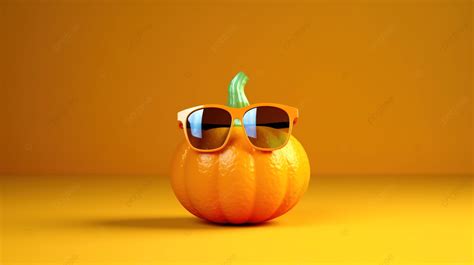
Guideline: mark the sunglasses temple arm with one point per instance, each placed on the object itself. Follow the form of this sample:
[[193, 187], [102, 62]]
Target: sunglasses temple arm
[[180, 124], [297, 115]]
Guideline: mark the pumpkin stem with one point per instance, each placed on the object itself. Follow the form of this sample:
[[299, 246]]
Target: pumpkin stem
[[236, 97]]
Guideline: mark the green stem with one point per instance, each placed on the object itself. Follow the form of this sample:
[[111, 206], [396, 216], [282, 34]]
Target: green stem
[[236, 96]]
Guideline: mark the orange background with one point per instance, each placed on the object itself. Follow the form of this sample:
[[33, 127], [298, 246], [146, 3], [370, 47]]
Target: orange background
[[94, 87]]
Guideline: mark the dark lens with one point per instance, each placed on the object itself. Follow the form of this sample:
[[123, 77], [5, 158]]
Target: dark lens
[[267, 127], [208, 128]]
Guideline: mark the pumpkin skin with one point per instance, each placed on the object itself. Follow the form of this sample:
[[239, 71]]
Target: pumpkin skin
[[240, 184]]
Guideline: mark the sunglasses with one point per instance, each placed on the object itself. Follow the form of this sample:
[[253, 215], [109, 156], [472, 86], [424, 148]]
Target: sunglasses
[[267, 126]]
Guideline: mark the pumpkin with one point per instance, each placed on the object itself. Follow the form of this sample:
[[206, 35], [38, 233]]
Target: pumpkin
[[239, 184]]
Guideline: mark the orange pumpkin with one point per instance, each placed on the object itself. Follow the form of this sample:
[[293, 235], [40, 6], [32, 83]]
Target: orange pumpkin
[[240, 184]]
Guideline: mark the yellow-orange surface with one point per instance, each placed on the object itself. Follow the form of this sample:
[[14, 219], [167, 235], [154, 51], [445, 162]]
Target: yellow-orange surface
[[136, 220]]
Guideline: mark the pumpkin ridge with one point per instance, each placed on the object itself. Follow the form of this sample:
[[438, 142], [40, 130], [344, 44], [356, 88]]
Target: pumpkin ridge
[[305, 185], [279, 208], [185, 176], [185, 197], [296, 145], [219, 183], [286, 187], [219, 205], [254, 202], [294, 174]]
